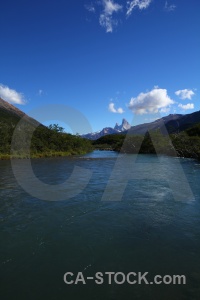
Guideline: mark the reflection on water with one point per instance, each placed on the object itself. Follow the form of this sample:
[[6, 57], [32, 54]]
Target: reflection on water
[[147, 231]]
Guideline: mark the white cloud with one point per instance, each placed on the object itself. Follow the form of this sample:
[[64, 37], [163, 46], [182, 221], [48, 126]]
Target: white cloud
[[169, 7], [40, 92], [165, 110], [90, 7], [186, 106], [11, 96], [110, 7], [150, 102], [185, 94], [112, 109], [106, 18], [141, 4]]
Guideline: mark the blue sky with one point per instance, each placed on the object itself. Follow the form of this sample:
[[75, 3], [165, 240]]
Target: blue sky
[[108, 59]]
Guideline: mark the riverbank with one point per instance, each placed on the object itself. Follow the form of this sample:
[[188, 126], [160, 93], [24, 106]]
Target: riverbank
[[4, 156], [184, 144]]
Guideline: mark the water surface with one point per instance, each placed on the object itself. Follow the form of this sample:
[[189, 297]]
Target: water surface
[[148, 230]]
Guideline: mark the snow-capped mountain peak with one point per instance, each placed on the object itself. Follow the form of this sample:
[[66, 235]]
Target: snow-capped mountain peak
[[108, 130]]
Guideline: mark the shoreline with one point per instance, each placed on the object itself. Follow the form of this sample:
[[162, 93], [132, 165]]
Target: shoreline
[[67, 154], [39, 155]]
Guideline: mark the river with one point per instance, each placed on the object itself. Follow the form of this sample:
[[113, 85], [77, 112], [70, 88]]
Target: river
[[154, 226]]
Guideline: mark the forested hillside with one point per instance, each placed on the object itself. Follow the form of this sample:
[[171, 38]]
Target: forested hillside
[[45, 141], [185, 143]]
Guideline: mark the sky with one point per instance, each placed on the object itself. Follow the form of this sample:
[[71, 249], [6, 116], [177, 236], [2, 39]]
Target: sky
[[107, 59]]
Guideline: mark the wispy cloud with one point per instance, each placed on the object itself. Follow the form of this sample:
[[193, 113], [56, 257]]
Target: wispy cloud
[[154, 101], [186, 106], [165, 110], [112, 109], [90, 7], [169, 7], [140, 4], [11, 95], [40, 92], [108, 20], [106, 17], [185, 94]]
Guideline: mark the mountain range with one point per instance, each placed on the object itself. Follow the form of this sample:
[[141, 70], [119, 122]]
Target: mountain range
[[172, 123], [108, 130]]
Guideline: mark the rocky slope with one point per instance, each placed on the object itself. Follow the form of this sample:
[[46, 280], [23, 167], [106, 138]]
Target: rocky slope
[[14, 114]]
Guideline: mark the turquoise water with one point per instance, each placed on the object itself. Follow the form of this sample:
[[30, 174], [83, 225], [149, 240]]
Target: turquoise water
[[149, 230]]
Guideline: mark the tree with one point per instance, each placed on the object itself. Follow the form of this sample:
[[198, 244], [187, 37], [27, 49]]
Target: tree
[[56, 128]]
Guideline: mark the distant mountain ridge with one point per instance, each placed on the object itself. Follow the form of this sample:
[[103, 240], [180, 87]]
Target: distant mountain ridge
[[172, 123], [162, 124], [108, 130]]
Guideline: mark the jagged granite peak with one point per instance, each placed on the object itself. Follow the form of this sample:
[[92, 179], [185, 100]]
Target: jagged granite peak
[[124, 126], [108, 130], [172, 123]]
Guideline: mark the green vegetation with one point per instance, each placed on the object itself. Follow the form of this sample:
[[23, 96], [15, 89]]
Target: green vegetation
[[44, 142], [185, 144], [53, 141], [109, 142]]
